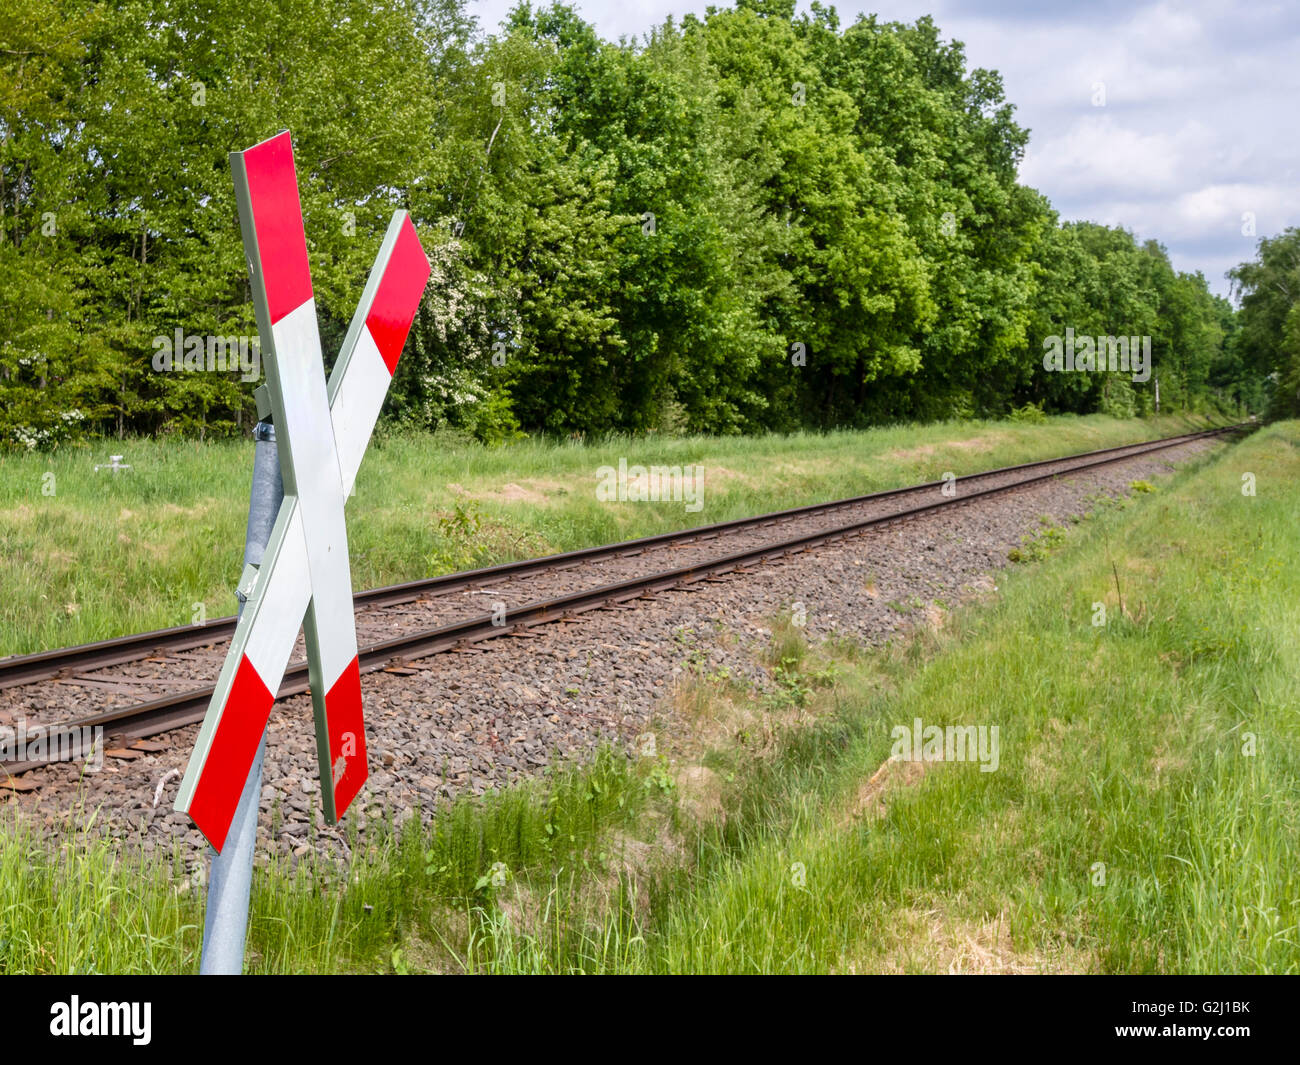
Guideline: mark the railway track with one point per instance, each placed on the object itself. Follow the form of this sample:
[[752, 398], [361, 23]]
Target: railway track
[[136, 722]]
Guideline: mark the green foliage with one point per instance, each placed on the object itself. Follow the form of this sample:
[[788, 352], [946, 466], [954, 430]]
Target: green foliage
[[1266, 355], [1037, 546], [1030, 413], [748, 221]]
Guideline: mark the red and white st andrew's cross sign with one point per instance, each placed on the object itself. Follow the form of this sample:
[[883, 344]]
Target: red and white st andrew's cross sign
[[322, 432]]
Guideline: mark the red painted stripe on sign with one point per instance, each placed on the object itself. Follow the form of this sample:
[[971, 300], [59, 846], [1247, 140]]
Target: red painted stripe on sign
[[399, 295], [277, 219], [347, 736], [243, 720]]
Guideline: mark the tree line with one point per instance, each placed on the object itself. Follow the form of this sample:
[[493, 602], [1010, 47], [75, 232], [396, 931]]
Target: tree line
[[745, 222]]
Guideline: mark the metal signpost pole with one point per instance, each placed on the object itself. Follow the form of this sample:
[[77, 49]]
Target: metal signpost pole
[[231, 871]]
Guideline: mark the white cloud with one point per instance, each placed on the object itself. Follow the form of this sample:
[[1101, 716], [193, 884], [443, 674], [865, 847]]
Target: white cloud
[[1100, 156]]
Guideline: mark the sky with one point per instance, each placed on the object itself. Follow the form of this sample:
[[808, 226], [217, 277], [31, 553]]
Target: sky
[[1176, 120]]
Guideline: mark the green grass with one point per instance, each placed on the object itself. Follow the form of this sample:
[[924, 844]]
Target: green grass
[[82, 906], [1121, 745], [1163, 746], [161, 544]]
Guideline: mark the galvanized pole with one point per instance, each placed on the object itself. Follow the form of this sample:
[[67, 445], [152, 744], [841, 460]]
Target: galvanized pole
[[230, 873]]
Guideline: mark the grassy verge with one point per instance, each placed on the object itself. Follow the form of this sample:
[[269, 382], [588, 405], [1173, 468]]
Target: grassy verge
[[1145, 802], [86, 555], [1143, 815]]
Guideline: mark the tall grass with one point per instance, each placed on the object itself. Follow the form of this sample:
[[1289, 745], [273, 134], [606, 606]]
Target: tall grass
[[411, 896]]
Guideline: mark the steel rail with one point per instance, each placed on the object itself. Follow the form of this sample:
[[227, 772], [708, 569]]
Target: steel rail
[[186, 708], [19, 670]]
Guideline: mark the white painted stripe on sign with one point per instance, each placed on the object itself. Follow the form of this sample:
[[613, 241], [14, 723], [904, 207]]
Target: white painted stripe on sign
[[357, 405], [278, 616]]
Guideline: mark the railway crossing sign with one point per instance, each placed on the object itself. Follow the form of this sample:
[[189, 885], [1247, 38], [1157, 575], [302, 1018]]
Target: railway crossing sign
[[322, 431]]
